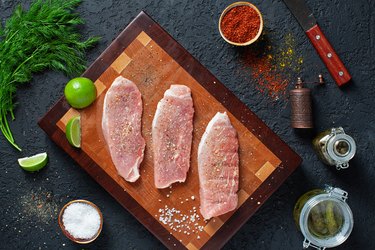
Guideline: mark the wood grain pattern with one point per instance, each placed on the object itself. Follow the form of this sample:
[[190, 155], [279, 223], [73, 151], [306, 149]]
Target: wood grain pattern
[[147, 55], [328, 55]]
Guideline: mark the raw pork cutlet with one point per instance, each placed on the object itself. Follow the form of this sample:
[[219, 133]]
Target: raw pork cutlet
[[121, 124], [218, 167], [172, 134]]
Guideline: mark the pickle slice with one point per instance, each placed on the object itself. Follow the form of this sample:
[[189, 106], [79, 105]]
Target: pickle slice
[[330, 218], [325, 219], [317, 220], [338, 216]]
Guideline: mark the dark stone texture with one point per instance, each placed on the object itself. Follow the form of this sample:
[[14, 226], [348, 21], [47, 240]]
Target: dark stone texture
[[349, 25]]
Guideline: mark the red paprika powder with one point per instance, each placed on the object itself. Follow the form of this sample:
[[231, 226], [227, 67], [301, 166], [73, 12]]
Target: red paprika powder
[[240, 24]]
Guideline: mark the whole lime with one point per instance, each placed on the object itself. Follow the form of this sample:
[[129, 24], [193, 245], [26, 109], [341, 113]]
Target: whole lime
[[80, 92]]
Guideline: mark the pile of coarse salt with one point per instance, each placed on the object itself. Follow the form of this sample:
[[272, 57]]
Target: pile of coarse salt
[[81, 220], [179, 222]]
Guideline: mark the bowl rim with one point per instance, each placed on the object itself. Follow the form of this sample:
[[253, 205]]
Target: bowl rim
[[67, 234], [235, 4]]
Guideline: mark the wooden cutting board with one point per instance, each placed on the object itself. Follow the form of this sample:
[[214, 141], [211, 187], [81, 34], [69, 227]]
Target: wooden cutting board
[[149, 56]]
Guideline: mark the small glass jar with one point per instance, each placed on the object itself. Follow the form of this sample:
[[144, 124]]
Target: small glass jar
[[335, 148], [324, 217]]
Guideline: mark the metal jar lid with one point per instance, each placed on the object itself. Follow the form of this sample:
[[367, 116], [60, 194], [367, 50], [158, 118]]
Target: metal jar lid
[[341, 148], [338, 197]]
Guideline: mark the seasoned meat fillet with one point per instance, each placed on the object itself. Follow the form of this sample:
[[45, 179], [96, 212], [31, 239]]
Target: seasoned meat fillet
[[121, 124], [218, 167], [172, 129]]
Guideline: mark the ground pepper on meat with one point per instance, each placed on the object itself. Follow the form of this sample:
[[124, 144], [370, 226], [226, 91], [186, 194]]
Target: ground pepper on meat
[[240, 24]]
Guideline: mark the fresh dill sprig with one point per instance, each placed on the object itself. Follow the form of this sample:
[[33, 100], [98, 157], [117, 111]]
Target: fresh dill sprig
[[44, 37]]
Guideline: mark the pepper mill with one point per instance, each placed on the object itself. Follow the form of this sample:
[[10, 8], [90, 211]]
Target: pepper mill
[[301, 104]]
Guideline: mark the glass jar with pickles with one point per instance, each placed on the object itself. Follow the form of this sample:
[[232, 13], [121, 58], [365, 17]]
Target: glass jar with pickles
[[335, 148], [323, 217]]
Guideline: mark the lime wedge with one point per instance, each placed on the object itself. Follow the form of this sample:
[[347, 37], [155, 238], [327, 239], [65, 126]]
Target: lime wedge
[[73, 131], [33, 163]]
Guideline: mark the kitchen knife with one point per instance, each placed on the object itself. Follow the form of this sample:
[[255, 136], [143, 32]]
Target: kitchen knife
[[328, 55]]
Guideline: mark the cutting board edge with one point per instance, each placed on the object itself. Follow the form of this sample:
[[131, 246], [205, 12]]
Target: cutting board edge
[[98, 67]]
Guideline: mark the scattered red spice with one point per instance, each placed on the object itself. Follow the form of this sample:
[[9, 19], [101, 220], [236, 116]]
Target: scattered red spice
[[261, 68], [240, 24], [272, 67], [268, 79]]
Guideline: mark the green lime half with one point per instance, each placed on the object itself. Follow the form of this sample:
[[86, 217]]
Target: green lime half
[[73, 131], [33, 163], [80, 92]]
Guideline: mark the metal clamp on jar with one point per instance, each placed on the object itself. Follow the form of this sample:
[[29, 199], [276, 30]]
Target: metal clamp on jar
[[335, 148], [324, 217]]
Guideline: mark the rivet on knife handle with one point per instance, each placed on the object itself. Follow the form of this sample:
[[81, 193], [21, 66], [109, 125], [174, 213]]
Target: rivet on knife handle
[[335, 66]]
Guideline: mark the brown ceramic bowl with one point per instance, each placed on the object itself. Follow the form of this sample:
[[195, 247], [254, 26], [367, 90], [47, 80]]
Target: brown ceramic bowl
[[68, 235], [236, 4]]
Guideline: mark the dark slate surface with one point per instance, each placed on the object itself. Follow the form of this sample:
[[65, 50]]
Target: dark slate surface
[[30, 202]]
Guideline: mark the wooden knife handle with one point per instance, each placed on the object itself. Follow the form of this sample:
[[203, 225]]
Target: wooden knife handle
[[334, 65]]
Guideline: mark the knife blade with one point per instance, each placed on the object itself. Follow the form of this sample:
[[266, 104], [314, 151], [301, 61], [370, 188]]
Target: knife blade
[[321, 44]]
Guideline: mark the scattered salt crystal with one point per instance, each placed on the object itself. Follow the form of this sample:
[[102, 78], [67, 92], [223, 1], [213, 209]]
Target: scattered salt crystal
[[198, 237], [81, 220], [179, 222], [167, 195], [193, 197]]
